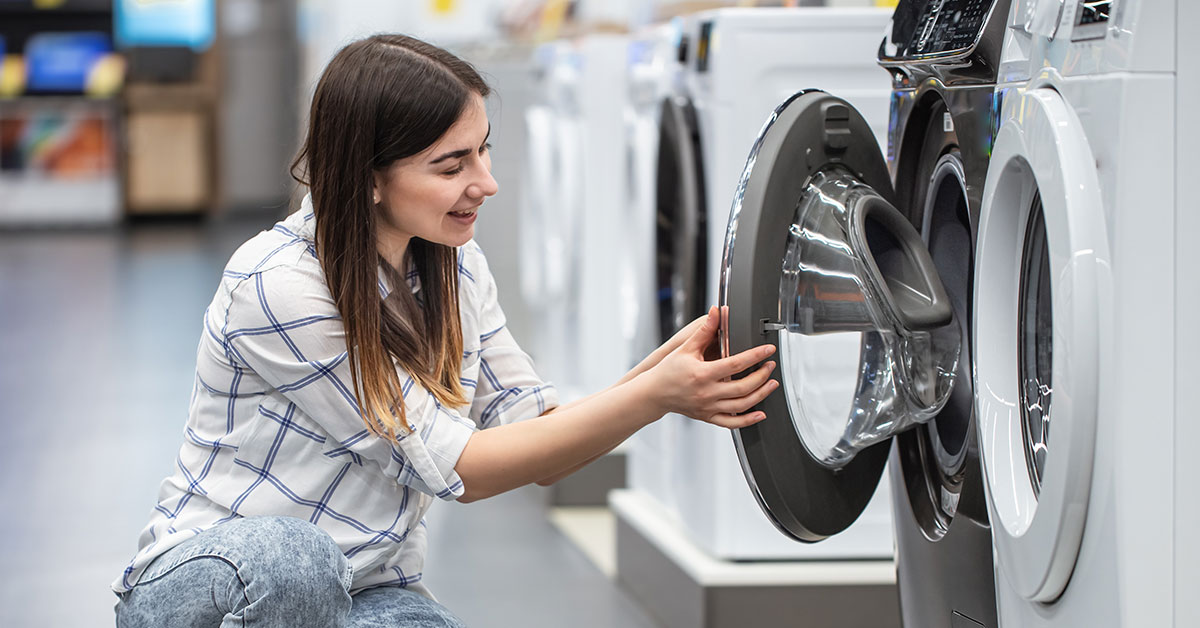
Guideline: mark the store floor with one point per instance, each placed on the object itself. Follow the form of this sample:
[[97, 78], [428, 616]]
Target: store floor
[[98, 331]]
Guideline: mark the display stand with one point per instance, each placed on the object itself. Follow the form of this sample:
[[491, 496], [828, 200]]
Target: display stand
[[59, 142], [683, 587]]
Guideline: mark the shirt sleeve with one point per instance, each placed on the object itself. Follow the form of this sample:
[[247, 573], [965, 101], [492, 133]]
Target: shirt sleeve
[[283, 325], [509, 390]]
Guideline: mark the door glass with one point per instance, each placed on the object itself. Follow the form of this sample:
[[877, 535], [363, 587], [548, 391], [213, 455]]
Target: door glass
[[1036, 326], [869, 345]]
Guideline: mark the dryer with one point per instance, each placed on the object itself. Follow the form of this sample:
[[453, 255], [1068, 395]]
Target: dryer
[[859, 269], [1082, 287], [739, 64]]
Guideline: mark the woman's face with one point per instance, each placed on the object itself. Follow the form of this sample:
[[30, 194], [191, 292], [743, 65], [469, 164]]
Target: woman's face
[[434, 195]]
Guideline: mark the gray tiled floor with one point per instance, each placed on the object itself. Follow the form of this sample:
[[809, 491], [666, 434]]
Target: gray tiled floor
[[97, 344]]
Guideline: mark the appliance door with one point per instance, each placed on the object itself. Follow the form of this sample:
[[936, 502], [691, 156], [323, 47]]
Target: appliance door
[[819, 262], [680, 218], [1042, 288]]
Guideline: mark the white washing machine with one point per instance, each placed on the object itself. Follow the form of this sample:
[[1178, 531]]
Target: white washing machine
[[576, 216], [653, 71], [1084, 277], [860, 271], [740, 64], [550, 258]]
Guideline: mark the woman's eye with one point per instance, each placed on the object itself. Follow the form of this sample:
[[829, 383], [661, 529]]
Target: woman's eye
[[486, 147], [455, 171]]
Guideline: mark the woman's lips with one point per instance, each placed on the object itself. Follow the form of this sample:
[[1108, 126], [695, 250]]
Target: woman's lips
[[466, 216]]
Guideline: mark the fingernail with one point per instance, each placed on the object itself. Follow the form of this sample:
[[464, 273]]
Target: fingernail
[[770, 366]]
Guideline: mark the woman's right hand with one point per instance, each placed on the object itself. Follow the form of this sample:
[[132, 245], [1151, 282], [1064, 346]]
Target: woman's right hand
[[688, 384]]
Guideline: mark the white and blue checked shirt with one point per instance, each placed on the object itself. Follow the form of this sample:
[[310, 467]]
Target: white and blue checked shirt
[[274, 428]]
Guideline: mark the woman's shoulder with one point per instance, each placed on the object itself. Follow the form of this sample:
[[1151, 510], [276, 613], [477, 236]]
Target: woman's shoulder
[[280, 261], [284, 249]]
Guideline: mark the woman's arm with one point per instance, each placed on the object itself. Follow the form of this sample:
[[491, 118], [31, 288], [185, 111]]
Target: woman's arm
[[508, 456], [649, 362]]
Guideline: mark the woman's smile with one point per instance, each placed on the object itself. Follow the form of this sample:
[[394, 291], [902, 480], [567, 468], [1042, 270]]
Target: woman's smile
[[466, 217]]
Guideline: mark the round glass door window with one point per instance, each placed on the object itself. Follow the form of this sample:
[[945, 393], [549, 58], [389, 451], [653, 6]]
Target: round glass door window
[[867, 344], [818, 261], [1035, 344]]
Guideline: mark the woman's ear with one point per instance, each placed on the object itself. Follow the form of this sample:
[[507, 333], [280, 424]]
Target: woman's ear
[[377, 184]]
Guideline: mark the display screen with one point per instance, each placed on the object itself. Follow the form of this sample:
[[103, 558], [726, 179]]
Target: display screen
[[190, 23], [922, 28], [1093, 12], [64, 62]]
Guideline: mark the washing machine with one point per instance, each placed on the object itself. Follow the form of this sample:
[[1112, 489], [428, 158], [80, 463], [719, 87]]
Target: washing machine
[[652, 73], [1080, 317], [576, 212], [740, 63], [551, 192], [859, 269]]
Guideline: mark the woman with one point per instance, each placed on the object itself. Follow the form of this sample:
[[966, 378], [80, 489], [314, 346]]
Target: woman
[[354, 365]]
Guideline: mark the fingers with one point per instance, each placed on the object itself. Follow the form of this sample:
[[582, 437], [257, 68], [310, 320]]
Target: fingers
[[705, 334], [745, 402], [748, 384], [687, 331], [735, 364], [736, 421]]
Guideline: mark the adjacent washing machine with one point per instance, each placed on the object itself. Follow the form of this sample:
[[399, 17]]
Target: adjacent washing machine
[[551, 191], [652, 74], [739, 64], [575, 216], [1080, 318], [860, 271]]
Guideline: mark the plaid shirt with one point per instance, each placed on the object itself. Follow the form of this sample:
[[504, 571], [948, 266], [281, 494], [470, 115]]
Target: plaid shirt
[[274, 428]]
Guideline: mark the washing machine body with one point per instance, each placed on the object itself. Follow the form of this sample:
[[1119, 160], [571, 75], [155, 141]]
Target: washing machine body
[[1081, 319], [552, 192], [652, 74], [603, 349], [859, 268], [578, 226], [741, 63]]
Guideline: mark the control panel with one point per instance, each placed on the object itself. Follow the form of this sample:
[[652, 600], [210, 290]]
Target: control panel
[[1091, 19], [931, 28], [1093, 12]]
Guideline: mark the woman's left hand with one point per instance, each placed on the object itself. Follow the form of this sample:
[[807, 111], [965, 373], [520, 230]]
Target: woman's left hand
[[672, 343]]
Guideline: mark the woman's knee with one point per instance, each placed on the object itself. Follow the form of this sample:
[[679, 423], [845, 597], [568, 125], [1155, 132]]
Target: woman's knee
[[255, 566], [288, 567], [286, 549]]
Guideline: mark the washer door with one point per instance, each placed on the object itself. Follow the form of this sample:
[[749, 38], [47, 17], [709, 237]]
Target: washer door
[[680, 228], [1041, 287], [819, 262]]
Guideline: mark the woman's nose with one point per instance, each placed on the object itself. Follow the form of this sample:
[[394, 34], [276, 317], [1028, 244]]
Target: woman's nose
[[484, 186]]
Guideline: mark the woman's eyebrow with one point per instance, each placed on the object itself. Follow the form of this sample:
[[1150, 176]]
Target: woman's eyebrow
[[462, 152]]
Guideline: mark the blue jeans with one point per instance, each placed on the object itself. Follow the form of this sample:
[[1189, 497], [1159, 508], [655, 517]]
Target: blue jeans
[[263, 572]]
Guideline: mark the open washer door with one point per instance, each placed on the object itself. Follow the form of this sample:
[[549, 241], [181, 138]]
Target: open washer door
[[1042, 290], [819, 262]]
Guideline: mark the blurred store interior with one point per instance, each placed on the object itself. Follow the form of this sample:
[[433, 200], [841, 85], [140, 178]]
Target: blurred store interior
[[141, 142]]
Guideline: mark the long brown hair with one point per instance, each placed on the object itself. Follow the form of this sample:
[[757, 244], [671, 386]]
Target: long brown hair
[[381, 99]]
